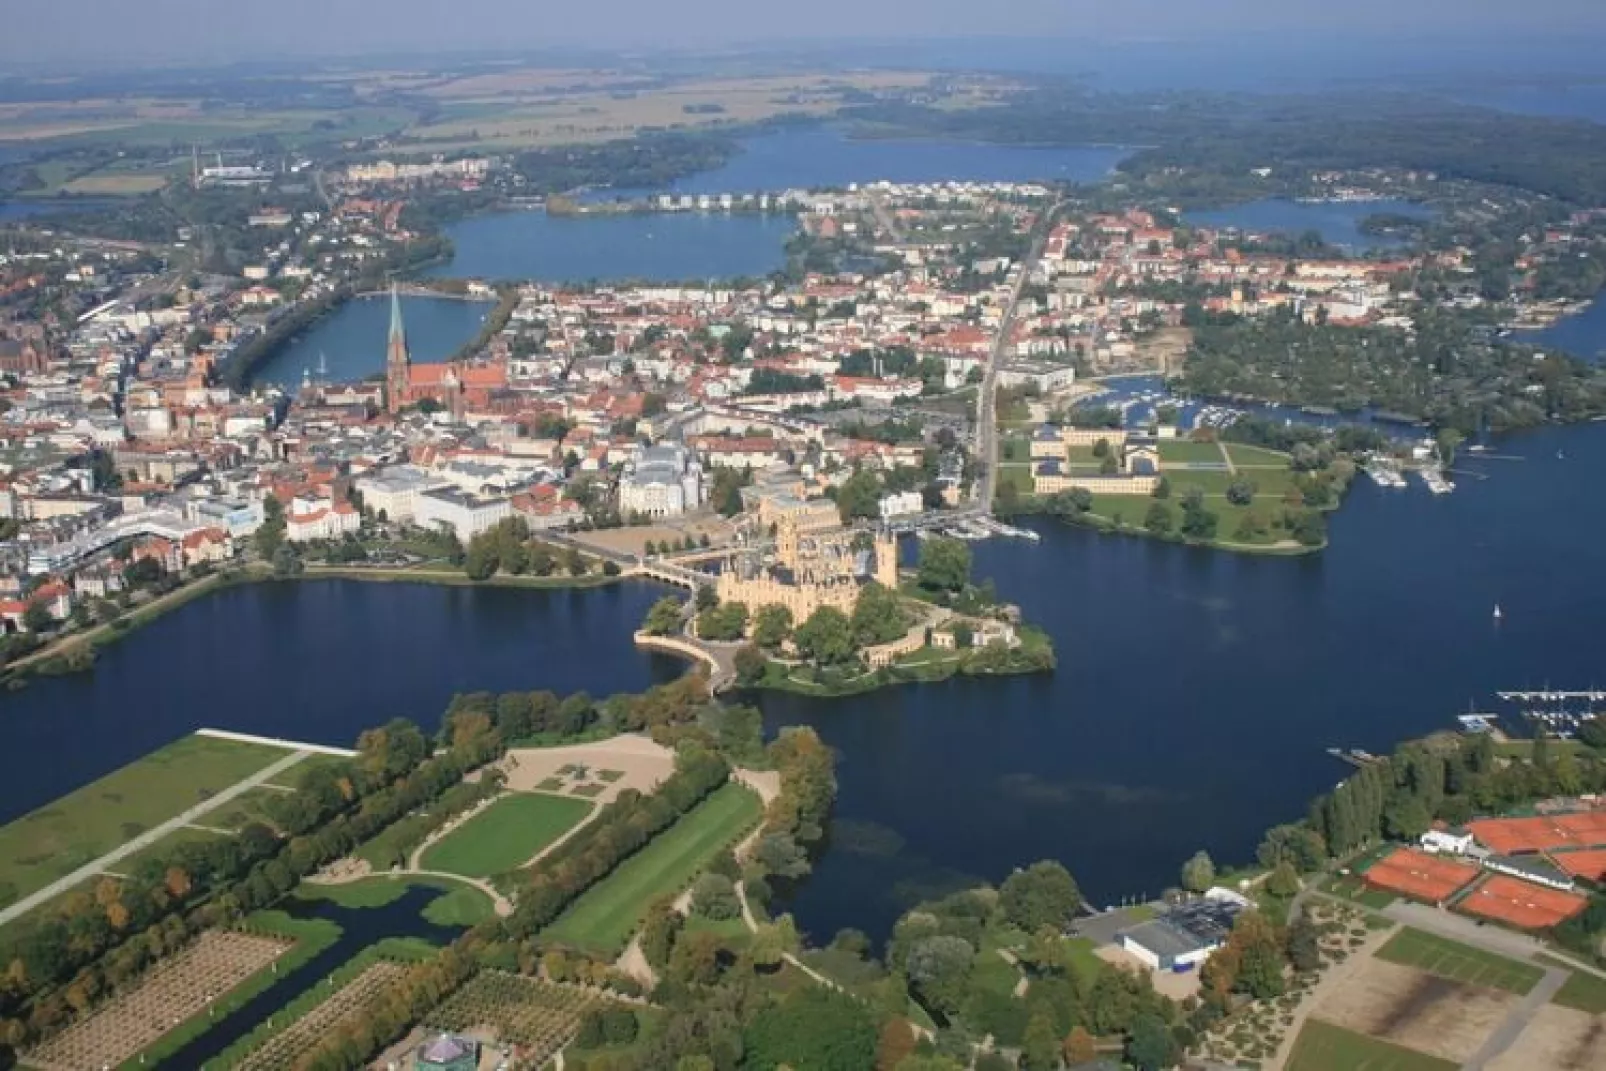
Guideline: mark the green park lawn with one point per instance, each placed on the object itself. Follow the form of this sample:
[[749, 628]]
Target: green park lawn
[[1325, 1047], [57, 839], [159, 850], [457, 904], [505, 835], [1178, 450], [1584, 992], [604, 918], [1256, 456], [1458, 962]]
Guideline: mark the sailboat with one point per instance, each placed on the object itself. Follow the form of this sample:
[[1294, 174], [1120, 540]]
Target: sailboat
[[1497, 614]]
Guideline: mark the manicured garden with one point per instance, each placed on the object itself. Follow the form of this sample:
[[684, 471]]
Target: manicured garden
[[84, 825], [1459, 962], [603, 919], [505, 835]]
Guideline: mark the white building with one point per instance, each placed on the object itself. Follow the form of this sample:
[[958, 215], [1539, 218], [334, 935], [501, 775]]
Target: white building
[[1452, 841], [309, 520], [662, 481], [466, 515], [902, 504], [394, 491]]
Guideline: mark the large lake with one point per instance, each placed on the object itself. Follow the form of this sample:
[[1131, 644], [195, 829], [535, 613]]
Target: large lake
[[651, 247], [815, 157], [1195, 693], [351, 341], [688, 246], [1338, 222], [1582, 335]]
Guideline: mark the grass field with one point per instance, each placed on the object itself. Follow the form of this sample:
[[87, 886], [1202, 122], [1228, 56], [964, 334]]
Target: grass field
[[1324, 1047], [1191, 453], [248, 807], [1458, 962], [1585, 992], [1256, 456], [57, 839], [505, 835], [604, 917], [458, 904]]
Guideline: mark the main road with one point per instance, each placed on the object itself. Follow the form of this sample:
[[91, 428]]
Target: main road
[[986, 446]]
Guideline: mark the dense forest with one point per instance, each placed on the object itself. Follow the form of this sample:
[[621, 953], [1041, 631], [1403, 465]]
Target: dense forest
[[1228, 135]]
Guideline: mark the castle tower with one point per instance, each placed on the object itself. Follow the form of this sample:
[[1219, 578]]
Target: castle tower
[[886, 559], [397, 358]]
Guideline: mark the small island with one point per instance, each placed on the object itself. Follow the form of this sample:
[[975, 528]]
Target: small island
[[823, 609]]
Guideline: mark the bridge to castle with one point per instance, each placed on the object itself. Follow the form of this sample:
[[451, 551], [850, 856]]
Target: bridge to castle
[[670, 573]]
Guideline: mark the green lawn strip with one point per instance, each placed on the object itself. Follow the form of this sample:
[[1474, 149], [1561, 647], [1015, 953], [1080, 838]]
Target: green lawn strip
[[1084, 960], [293, 777], [733, 932], [159, 850], [1254, 456], [1325, 1047], [505, 835], [83, 825], [396, 949], [1583, 992], [1459, 962], [464, 906], [1191, 452], [248, 807], [382, 889], [605, 916], [311, 937]]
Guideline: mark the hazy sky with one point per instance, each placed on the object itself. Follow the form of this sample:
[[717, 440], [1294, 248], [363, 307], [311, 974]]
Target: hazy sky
[[135, 32]]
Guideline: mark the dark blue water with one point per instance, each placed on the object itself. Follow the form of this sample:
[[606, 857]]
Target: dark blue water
[[352, 339], [360, 929], [1195, 693], [825, 156], [651, 247], [1338, 222], [317, 661], [1583, 335]]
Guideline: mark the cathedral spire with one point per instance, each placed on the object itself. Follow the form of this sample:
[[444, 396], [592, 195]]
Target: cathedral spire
[[398, 331]]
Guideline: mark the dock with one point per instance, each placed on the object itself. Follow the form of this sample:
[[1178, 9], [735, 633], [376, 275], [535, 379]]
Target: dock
[[1354, 756], [1548, 696]]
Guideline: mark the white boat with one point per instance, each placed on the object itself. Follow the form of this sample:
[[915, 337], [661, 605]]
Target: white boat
[[1497, 613]]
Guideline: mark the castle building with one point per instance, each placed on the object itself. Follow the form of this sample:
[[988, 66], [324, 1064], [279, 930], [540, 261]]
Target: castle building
[[455, 385], [811, 568]]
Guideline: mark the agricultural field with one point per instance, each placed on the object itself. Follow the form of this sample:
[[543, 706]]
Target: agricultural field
[[179, 987], [604, 917], [537, 1016], [84, 825], [505, 835], [495, 112], [311, 1025], [1458, 962], [1324, 1047]]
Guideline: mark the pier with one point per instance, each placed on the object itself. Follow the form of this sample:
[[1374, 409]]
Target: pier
[[1548, 696]]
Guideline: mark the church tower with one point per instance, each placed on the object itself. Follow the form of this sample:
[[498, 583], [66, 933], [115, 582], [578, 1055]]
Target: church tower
[[397, 359]]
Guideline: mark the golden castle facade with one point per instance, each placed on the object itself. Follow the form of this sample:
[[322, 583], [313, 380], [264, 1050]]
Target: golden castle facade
[[813, 565]]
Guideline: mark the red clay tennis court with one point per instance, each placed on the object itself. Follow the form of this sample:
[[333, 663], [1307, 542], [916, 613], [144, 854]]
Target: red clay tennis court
[[1587, 864], [1512, 836], [1521, 903], [1421, 876]]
